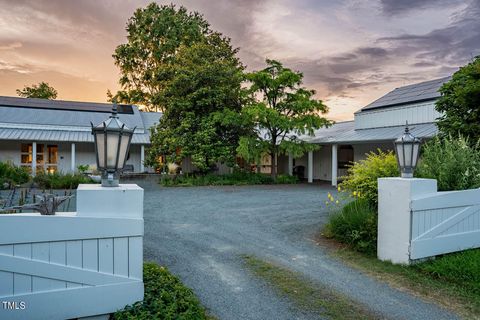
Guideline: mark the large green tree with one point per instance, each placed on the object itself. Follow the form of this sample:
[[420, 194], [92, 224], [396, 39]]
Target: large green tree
[[147, 61], [203, 102], [460, 103], [42, 91], [282, 111]]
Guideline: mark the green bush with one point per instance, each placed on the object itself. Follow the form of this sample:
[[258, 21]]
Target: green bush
[[453, 161], [355, 225], [362, 175], [60, 181], [236, 178], [165, 298], [12, 175]]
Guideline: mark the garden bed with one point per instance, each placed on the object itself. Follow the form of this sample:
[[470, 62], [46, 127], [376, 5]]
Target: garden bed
[[165, 298], [236, 178]]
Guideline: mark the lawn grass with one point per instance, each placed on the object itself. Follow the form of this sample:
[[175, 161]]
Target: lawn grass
[[304, 294], [166, 298], [452, 280], [231, 179]]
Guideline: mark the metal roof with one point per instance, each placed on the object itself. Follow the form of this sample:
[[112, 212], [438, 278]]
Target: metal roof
[[48, 120], [345, 133], [58, 135], [423, 91]]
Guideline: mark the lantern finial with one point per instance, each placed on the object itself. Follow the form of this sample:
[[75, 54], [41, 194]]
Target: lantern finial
[[114, 110]]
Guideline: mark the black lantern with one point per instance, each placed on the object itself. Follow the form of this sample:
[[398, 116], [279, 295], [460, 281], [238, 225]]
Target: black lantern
[[112, 142], [407, 149]]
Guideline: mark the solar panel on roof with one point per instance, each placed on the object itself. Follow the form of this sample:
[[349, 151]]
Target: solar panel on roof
[[63, 105], [407, 94]]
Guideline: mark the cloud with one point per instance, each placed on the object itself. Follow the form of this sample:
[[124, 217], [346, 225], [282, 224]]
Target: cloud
[[351, 52], [454, 44], [396, 7], [10, 46]]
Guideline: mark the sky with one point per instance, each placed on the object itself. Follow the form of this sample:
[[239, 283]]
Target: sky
[[351, 52]]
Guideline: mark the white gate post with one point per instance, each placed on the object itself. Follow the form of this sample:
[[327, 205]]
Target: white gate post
[[394, 215]]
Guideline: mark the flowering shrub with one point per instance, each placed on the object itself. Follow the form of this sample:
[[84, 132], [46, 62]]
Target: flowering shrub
[[361, 178]]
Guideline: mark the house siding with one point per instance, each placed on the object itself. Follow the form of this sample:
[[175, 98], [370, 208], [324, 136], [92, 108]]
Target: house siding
[[414, 113]]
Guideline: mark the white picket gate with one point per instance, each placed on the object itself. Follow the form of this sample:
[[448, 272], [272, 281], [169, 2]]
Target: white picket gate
[[445, 222], [77, 264], [416, 221]]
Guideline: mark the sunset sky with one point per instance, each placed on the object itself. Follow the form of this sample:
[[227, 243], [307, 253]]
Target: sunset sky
[[350, 51]]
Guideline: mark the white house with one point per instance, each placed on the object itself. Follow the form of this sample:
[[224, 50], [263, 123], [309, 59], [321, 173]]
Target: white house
[[375, 126], [57, 134]]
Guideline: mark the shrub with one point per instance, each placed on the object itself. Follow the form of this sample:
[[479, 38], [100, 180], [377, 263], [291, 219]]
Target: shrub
[[362, 175], [83, 168], [355, 225], [60, 181], [453, 161], [12, 175], [165, 298]]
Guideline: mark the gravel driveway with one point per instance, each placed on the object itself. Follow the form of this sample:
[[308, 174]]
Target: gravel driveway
[[199, 234]]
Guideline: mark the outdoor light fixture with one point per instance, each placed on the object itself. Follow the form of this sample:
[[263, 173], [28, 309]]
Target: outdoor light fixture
[[407, 149], [112, 142]]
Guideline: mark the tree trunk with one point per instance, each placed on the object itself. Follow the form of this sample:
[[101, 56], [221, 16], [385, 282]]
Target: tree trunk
[[274, 166]]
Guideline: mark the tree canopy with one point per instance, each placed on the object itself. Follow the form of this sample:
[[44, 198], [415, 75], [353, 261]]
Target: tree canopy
[[460, 103], [281, 110], [147, 60], [42, 91], [203, 100]]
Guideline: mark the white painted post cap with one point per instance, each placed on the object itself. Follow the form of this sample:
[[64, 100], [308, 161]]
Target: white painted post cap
[[124, 201]]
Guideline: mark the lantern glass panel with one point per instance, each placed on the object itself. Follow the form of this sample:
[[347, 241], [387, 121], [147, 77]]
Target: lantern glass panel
[[123, 151], [399, 150], [416, 147], [408, 149], [112, 149], [101, 149]]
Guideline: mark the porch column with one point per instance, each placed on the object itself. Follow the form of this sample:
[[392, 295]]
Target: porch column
[[310, 166], [334, 164], [34, 158], [72, 162], [290, 164], [142, 158]]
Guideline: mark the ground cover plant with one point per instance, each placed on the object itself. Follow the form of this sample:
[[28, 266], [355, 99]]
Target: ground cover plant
[[165, 298], [60, 181], [236, 178]]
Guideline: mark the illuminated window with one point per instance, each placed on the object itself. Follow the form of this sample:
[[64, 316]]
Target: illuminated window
[[44, 152]]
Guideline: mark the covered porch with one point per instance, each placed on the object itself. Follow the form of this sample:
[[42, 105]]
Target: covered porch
[[343, 144]]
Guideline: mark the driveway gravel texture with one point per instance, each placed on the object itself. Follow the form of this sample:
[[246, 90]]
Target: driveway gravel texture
[[201, 233]]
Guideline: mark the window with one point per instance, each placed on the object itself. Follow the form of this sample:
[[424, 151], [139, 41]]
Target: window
[[52, 156], [44, 152], [26, 155]]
